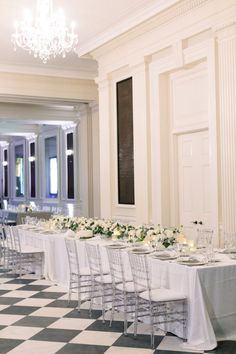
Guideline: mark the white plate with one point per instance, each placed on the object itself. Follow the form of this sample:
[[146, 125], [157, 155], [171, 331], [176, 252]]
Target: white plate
[[117, 245], [141, 250], [164, 258], [189, 263]]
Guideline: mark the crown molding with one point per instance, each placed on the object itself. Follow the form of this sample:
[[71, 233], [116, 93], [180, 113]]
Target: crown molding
[[87, 73], [143, 14], [178, 9]]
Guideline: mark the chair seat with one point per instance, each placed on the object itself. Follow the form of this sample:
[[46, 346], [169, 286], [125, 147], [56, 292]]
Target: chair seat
[[129, 287], [83, 272], [105, 279], [162, 295], [29, 249]]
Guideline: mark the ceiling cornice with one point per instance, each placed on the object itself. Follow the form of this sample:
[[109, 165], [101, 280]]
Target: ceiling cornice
[[85, 74], [144, 13]]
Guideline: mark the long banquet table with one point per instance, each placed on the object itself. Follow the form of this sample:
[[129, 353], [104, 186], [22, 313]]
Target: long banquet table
[[19, 216], [210, 289]]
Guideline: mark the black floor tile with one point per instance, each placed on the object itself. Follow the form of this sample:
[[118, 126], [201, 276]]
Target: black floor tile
[[84, 314], [9, 300], [82, 349], [63, 303], [19, 310], [142, 341], [226, 347], [47, 295], [20, 281], [30, 287], [2, 292], [35, 321], [117, 326], [8, 344], [56, 335], [9, 275], [170, 352]]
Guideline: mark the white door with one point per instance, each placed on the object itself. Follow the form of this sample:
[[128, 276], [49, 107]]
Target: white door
[[195, 187]]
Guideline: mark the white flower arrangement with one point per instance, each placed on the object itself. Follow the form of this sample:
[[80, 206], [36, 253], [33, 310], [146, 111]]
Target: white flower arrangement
[[117, 230]]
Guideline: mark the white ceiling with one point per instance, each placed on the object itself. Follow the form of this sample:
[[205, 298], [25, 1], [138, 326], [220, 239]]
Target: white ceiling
[[97, 21]]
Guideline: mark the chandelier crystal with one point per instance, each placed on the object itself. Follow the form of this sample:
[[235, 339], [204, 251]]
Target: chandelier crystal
[[47, 36]]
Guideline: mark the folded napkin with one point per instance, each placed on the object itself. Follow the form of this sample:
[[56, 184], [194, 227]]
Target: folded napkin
[[69, 233]]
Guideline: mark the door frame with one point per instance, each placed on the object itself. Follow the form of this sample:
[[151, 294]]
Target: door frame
[[159, 71]]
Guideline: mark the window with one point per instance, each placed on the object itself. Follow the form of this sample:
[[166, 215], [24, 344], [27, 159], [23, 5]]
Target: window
[[125, 142], [51, 167], [70, 165], [53, 183], [5, 173], [19, 169], [32, 171]]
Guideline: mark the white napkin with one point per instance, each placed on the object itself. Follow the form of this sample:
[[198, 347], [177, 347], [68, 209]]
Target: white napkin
[[70, 233]]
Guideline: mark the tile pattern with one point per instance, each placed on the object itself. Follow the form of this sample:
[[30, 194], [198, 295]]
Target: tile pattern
[[36, 318]]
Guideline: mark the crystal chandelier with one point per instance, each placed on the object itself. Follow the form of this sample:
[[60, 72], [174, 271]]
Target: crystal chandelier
[[47, 36]]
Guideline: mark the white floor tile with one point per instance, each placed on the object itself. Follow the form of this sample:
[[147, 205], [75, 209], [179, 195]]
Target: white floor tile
[[3, 307], [35, 302], [127, 350], [144, 328], [96, 338], [86, 306], [4, 280], [18, 293], [42, 282], [175, 344], [72, 323], [57, 289], [19, 332], [51, 312], [30, 276], [11, 286], [7, 320], [39, 347], [65, 297]]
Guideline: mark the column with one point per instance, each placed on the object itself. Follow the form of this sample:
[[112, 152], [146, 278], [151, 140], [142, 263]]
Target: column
[[227, 115], [142, 156], [105, 149]]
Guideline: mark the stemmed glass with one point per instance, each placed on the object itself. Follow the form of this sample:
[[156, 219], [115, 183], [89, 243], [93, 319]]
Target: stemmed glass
[[204, 244]]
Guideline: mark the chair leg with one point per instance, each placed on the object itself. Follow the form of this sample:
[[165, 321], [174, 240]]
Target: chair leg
[[79, 295], [125, 314], [136, 316], [112, 307], [152, 327]]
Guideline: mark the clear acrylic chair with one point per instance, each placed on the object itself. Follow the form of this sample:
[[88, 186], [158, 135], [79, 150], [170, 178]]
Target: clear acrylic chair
[[80, 278], [101, 280], [204, 238], [157, 304], [123, 299], [7, 243], [230, 242], [27, 257]]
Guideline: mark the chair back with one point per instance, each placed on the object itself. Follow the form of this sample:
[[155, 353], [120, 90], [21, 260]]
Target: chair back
[[204, 238], [16, 239], [141, 272], [9, 241], [116, 263], [72, 255], [94, 259]]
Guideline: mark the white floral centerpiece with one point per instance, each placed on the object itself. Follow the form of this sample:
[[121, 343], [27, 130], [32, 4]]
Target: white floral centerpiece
[[114, 229]]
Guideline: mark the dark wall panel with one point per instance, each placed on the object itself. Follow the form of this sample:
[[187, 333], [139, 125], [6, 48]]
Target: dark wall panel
[[125, 142]]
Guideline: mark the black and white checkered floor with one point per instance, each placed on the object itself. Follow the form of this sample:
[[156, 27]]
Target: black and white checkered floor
[[35, 319]]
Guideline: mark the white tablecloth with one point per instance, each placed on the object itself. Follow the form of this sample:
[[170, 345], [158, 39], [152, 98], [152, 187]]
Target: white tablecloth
[[210, 289]]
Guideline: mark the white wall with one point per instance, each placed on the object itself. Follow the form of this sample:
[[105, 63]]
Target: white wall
[[189, 49]]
